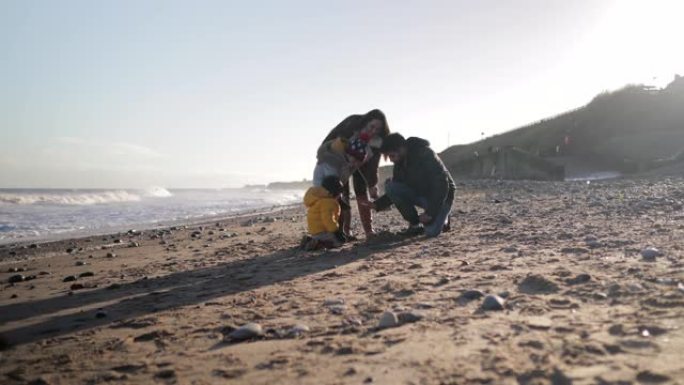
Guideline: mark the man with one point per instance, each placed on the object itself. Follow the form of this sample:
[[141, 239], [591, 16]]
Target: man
[[419, 179]]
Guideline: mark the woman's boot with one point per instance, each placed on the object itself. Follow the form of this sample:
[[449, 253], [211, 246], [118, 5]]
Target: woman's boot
[[345, 223], [366, 216]]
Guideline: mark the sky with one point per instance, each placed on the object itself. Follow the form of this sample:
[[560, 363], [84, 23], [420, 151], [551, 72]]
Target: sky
[[134, 94]]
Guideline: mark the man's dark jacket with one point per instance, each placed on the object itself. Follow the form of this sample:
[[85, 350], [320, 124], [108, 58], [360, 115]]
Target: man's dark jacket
[[422, 171]]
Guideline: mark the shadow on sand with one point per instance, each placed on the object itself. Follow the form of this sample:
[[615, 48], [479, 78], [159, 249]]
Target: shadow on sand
[[148, 296]]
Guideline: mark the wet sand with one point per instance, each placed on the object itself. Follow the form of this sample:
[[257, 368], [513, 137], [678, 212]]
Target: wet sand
[[537, 283]]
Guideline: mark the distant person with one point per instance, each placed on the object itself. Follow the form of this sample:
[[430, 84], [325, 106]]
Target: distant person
[[370, 128], [419, 179], [322, 216]]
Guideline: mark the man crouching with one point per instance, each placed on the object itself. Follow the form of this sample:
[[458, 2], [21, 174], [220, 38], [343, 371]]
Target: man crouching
[[419, 179]]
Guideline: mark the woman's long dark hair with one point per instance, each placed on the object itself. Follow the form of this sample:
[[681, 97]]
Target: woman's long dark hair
[[375, 114]]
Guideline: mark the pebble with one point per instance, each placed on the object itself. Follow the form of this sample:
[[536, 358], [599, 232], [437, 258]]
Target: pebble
[[297, 330], [246, 332], [16, 278], [166, 374], [80, 263], [410, 317], [86, 274], [77, 286], [12, 270], [388, 320], [493, 302], [594, 244], [650, 254], [537, 284], [580, 278], [100, 314], [111, 255], [337, 309], [133, 244], [69, 278], [333, 302], [470, 295]]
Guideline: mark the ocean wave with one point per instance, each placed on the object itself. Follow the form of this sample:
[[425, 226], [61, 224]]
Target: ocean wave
[[84, 198], [157, 192]]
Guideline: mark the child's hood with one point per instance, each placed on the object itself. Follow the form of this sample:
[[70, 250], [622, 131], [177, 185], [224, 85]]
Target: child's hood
[[314, 194]]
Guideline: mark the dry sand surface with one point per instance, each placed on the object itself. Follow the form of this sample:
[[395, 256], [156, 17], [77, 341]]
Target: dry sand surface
[[580, 300]]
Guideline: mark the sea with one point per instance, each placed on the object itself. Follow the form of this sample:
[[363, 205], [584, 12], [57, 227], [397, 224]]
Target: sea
[[52, 214]]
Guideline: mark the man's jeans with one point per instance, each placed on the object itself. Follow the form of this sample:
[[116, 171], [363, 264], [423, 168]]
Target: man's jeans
[[406, 200]]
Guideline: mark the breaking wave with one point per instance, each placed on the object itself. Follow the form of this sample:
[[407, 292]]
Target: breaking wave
[[81, 197]]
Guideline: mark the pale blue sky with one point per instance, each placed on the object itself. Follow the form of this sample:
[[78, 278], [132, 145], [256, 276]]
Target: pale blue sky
[[220, 93]]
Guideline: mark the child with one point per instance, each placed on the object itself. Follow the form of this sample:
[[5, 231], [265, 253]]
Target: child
[[340, 157], [323, 213]]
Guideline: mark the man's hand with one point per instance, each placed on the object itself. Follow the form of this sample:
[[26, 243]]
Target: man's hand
[[424, 218], [373, 192]]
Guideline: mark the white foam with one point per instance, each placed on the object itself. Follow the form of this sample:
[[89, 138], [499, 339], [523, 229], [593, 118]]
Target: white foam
[[157, 192], [89, 198], [43, 214]]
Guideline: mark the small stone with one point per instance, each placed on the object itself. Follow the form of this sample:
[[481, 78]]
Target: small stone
[[600, 296], [650, 253], [425, 305], [298, 330], [16, 278], [69, 278], [388, 320], [493, 302], [333, 302], [100, 314], [574, 250], [86, 274], [470, 295], [77, 286], [12, 270], [537, 284], [581, 278], [648, 377], [594, 244], [166, 374], [111, 255], [337, 309], [80, 263], [410, 317], [133, 244], [246, 332]]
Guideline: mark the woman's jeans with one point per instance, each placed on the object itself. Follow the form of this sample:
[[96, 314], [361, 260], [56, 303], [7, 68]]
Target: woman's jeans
[[405, 199]]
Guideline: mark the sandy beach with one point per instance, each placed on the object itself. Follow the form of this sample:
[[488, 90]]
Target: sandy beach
[[537, 283]]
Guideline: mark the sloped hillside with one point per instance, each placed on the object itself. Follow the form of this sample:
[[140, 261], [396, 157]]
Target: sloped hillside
[[625, 130]]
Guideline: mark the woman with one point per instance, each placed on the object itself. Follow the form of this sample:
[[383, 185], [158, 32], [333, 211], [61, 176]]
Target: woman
[[370, 126]]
